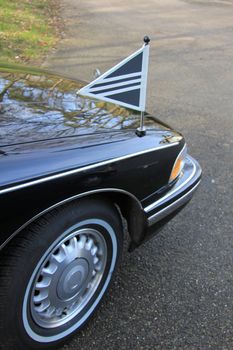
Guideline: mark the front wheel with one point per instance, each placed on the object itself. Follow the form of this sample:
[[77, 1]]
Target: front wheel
[[54, 275]]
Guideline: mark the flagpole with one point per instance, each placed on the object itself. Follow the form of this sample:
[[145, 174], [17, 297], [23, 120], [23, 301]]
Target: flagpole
[[141, 131]]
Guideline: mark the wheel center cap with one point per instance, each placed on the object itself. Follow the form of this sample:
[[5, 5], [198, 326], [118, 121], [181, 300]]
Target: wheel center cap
[[73, 279]]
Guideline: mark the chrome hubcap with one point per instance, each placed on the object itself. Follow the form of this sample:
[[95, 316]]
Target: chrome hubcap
[[72, 279], [68, 278]]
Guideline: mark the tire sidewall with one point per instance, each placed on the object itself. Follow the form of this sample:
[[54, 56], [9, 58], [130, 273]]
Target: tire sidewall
[[52, 229]]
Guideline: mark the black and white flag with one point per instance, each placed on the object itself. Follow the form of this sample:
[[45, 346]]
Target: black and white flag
[[125, 83]]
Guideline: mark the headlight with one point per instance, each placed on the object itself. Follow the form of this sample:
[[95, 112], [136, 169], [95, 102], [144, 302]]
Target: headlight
[[178, 165]]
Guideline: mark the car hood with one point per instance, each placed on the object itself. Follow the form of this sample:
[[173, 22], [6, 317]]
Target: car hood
[[37, 105]]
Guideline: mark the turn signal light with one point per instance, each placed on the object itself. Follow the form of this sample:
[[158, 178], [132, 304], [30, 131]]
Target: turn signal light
[[179, 164]]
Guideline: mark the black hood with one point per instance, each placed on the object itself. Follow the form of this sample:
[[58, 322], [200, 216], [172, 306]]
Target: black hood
[[38, 105]]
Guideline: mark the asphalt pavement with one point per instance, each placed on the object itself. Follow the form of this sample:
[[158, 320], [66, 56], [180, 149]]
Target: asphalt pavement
[[175, 291]]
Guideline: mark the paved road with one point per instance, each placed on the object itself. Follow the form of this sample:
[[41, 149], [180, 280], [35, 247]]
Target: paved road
[[176, 291]]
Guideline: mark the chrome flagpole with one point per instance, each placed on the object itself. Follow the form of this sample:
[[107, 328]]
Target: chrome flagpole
[[141, 131]]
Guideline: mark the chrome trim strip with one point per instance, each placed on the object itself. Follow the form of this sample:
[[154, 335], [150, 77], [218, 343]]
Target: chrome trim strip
[[67, 200], [87, 167], [173, 206], [170, 193]]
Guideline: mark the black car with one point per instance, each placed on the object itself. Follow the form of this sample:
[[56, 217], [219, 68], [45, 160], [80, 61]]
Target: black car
[[75, 178]]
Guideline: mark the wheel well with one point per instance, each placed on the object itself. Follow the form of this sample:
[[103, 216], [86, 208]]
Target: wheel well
[[132, 211], [129, 206]]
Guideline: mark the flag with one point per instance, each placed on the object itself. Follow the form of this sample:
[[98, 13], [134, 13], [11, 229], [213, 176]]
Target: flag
[[124, 84]]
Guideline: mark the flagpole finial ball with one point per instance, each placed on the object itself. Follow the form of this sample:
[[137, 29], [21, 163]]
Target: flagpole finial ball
[[146, 40]]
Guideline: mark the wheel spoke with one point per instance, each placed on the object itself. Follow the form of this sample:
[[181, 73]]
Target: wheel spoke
[[98, 267], [49, 270], [94, 250], [43, 306], [74, 244], [44, 283], [89, 244], [59, 257], [49, 312], [40, 297], [64, 249], [96, 260], [82, 241]]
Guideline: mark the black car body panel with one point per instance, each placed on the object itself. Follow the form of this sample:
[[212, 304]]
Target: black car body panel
[[56, 147]]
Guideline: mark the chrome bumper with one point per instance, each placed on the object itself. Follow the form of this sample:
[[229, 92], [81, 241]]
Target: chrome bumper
[[179, 195]]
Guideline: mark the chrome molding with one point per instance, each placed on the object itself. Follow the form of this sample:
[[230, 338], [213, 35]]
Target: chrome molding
[[170, 193], [172, 207], [78, 170]]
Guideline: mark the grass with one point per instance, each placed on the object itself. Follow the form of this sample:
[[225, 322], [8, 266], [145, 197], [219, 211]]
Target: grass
[[27, 30]]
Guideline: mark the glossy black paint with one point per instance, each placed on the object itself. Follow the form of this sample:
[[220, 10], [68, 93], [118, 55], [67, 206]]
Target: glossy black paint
[[42, 136]]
